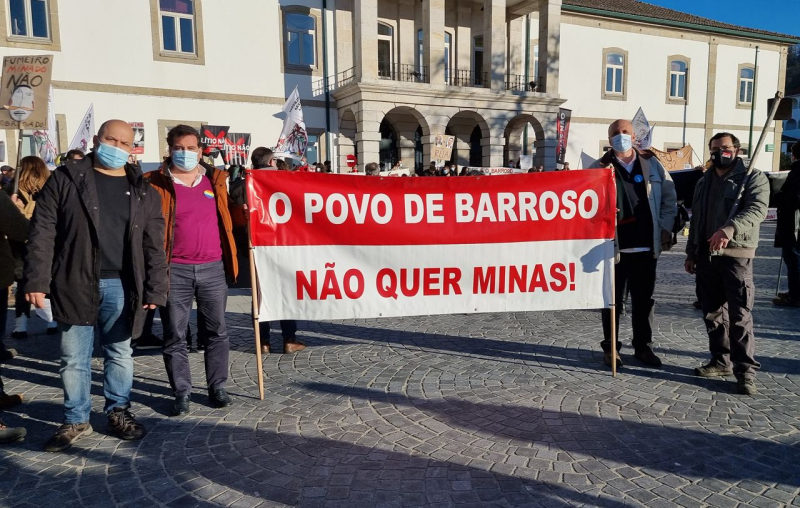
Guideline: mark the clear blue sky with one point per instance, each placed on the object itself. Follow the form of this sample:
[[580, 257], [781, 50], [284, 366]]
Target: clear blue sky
[[782, 16]]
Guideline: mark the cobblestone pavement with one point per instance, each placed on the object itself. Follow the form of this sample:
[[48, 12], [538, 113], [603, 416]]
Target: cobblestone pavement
[[484, 410]]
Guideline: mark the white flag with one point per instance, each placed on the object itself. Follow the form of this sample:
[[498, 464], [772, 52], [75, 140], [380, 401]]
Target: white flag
[[647, 141], [641, 127], [294, 139], [47, 140], [83, 138]]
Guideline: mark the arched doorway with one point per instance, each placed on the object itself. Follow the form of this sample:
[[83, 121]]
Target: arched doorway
[[346, 140], [388, 146], [515, 135], [402, 131], [472, 132]]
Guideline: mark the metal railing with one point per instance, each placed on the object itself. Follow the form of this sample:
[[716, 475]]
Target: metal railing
[[518, 83], [322, 85], [469, 79], [405, 72]]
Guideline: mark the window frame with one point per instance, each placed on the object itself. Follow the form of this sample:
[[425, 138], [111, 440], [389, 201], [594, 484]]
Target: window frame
[[686, 61], [162, 55], [449, 38], [615, 96], [390, 40], [316, 15], [740, 79], [477, 74], [51, 43], [178, 32]]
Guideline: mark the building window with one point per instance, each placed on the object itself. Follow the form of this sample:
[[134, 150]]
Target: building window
[[677, 79], [747, 77], [420, 51], [790, 125], [177, 26], [385, 50], [477, 59], [535, 73], [29, 19], [615, 71], [300, 40], [448, 51]]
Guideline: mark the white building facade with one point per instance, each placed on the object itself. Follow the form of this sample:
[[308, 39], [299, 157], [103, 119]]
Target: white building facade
[[381, 78]]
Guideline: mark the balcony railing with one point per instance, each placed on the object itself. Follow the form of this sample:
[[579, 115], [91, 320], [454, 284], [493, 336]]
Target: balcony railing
[[322, 85], [518, 83], [469, 78], [404, 72]]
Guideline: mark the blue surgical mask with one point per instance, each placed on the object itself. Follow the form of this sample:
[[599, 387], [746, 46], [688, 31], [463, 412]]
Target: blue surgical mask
[[621, 143], [185, 160], [110, 156]]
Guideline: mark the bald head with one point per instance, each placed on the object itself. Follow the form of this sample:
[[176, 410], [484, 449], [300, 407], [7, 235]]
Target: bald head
[[115, 133], [621, 137]]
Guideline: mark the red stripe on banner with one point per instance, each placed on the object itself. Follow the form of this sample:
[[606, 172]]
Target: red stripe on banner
[[292, 208]]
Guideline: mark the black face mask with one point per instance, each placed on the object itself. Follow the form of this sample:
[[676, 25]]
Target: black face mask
[[723, 158]]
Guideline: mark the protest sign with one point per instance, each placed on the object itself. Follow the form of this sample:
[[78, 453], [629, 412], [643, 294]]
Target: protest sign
[[84, 137], [676, 160], [213, 139], [341, 247], [443, 148], [237, 148], [138, 138], [496, 171], [562, 135], [24, 92]]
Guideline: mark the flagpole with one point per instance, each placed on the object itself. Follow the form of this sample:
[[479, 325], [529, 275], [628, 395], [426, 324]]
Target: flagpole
[[255, 299], [613, 321]]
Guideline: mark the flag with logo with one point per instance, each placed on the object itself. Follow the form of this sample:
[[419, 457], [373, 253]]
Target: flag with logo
[[83, 138], [46, 140], [294, 138], [642, 130]]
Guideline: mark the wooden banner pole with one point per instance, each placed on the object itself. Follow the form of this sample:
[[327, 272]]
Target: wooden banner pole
[[613, 321], [19, 158], [256, 302]]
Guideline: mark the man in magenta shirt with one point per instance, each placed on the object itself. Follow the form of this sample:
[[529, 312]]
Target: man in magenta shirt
[[202, 256]]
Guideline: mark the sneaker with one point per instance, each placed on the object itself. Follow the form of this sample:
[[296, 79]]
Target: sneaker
[[8, 401], [149, 342], [66, 435], [607, 360], [746, 386], [713, 370], [122, 424], [11, 434], [181, 405], [786, 301], [218, 397], [647, 357]]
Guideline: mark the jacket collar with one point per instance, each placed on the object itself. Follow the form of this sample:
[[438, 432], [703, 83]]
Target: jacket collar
[[75, 168], [738, 169]]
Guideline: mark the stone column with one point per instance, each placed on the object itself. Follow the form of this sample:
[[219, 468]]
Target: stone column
[[463, 51], [494, 40], [346, 147], [462, 149], [368, 137], [516, 49], [433, 39], [493, 150], [407, 150], [406, 34], [366, 40], [549, 45]]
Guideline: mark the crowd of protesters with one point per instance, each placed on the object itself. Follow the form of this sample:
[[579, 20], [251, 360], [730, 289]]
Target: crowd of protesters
[[103, 269]]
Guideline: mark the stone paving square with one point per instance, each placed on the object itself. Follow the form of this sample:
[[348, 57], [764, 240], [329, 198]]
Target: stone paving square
[[464, 410]]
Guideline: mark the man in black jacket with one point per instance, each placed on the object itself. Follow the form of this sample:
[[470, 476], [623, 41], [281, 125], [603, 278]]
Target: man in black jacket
[[97, 247], [787, 235]]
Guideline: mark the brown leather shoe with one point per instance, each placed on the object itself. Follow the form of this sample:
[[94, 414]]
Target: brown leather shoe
[[292, 346], [264, 349], [8, 401]]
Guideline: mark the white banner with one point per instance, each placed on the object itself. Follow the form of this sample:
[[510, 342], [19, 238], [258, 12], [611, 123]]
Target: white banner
[[294, 139], [83, 139], [476, 278]]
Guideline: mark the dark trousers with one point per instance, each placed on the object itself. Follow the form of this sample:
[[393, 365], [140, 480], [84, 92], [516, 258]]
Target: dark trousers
[[21, 305], [726, 293], [3, 320], [791, 256], [206, 283], [288, 330], [147, 329], [637, 272]]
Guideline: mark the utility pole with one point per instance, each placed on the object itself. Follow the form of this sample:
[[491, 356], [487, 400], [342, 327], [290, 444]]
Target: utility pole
[[752, 108], [685, 102]]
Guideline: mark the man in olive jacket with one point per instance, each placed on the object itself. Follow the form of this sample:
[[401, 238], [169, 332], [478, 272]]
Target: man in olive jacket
[[721, 247], [96, 246]]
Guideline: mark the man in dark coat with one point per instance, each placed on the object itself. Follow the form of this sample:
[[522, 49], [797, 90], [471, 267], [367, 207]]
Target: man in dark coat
[[97, 247], [787, 235]]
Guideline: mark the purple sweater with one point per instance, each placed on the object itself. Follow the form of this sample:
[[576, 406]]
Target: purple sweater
[[196, 237]]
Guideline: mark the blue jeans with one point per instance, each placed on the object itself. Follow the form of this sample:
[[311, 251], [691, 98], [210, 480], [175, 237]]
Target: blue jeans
[[791, 256], [77, 343]]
